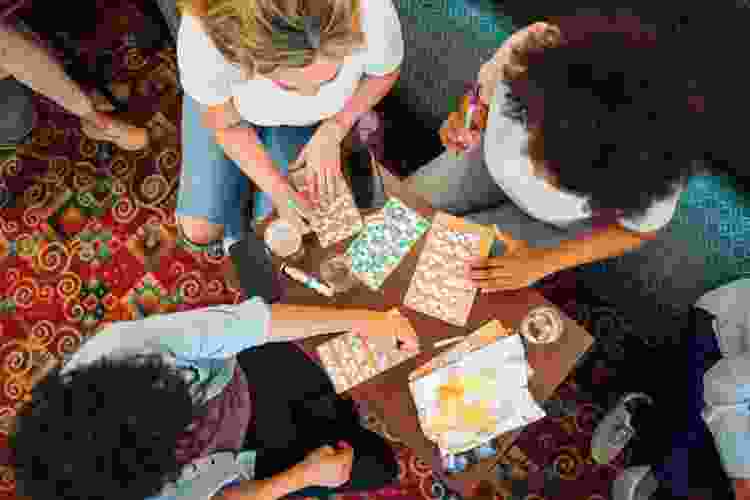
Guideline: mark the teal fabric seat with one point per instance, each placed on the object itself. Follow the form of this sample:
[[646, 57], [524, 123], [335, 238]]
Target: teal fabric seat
[[705, 246]]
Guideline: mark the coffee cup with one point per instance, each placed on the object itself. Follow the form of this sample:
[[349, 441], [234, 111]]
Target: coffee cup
[[284, 240], [542, 325]]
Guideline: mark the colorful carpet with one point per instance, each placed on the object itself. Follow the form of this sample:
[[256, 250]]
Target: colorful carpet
[[87, 232]]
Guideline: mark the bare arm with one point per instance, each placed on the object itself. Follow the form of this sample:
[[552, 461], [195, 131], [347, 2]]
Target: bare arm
[[273, 488], [294, 322], [243, 146], [32, 65], [612, 241], [371, 91]]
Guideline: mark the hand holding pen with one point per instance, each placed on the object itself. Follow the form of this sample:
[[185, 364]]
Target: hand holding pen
[[462, 130]]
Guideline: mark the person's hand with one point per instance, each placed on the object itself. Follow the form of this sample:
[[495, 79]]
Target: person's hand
[[323, 158], [455, 137], [519, 267], [388, 329], [295, 207], [327, 466], [539, 34], [99, 120]]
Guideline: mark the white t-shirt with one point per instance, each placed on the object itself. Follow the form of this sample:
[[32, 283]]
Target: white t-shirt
[[210, 79], [513, 172]]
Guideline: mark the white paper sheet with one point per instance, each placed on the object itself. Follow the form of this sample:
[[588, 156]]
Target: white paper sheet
[[493, 385]]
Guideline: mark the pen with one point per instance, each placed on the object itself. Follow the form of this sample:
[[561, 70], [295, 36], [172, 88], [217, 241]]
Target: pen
[[469, 115], [473, 101], [307, 280], [449, 341]]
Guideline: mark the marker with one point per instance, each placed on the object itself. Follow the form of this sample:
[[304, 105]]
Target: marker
[[469, 115], [307, 280], [449, 341], [473, 101]]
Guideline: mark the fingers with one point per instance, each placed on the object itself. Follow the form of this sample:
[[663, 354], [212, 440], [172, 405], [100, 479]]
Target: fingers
[[328, 182], [347, 459], [312, 185], [407, 335], [322, 190], [512, 245], [455, 136], [304, 204], [327, 451]]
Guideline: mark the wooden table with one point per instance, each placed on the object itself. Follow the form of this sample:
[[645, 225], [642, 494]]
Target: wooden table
[[388, 394]]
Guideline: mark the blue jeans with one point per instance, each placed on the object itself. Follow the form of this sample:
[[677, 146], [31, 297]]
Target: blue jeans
[[464, 187], [693, 437], [212, 185]]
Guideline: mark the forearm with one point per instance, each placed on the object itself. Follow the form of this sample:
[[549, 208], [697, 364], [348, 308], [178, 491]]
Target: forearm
[[294, 322], [273, 488], [244, 147], [611, 241], [32, 65], [370, 92]]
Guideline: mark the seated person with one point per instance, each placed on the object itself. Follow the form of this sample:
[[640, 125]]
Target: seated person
[[268, 90], [726, 384], [22, 58], [145, 408], [676, 418], [588, 144]]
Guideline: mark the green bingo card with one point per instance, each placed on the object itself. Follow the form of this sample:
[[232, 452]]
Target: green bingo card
[[386, 239]]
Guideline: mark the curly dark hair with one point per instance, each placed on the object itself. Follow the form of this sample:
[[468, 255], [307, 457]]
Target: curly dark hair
[[107, 430], [608, 112]]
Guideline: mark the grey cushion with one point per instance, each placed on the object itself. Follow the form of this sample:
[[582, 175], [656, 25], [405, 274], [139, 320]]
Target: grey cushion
[[16, 111], [169, 10]]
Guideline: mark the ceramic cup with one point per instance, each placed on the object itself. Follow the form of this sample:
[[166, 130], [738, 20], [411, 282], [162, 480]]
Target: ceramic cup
[[284, 240], [336, 271], [543, 325]]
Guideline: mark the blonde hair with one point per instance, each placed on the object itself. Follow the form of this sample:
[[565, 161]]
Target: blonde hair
[[242, 30]]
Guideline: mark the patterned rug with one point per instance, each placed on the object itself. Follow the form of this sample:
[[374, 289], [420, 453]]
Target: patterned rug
[[75, 221]]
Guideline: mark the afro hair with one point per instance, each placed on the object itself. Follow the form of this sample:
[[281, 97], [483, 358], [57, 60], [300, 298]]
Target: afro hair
[[107, 430], [608, 111]]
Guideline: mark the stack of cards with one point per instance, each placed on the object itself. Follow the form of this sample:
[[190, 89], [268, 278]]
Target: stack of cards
[[387, 238], [349, 360], [438, 288]]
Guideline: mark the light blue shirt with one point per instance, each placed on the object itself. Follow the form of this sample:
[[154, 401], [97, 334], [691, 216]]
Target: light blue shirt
[[207, 340], [727, 383]]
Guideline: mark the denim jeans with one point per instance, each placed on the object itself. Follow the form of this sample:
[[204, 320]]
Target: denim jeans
[[463, 186], [212, 185], [689, 436]]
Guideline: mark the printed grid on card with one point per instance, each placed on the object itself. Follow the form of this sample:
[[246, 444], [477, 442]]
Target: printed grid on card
[[338, 220], [387, 238], [351, 360], [438, 288]]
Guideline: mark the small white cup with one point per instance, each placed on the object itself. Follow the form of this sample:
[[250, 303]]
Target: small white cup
[[284, 240]]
